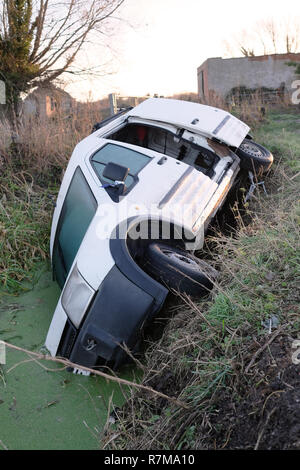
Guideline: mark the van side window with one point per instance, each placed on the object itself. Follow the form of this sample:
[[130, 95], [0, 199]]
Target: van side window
[[76, 215], [121, 155]]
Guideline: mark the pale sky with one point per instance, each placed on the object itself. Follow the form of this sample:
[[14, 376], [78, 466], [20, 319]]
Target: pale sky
[[167, 40]]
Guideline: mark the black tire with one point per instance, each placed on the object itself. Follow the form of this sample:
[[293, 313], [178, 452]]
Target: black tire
[[178, 269], [254, 156]]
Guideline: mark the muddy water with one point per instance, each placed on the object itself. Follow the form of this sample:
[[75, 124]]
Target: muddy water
[[40, 409]]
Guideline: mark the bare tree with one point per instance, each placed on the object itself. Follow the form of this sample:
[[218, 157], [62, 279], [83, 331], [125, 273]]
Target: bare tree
[[266, 37], [40, 39]]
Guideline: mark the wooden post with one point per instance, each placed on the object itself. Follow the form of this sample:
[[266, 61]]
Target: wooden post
[[113, 103]]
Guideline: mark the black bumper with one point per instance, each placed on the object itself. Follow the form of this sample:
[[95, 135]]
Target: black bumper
[[116, 317]]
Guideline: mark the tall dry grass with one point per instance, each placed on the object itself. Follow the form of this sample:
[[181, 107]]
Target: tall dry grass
[[40, 145], [251, 106]]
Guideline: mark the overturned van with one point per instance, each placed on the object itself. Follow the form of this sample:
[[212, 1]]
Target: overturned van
[[135, 203]]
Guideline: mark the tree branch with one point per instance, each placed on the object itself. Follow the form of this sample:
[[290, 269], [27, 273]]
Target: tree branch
[[95, 372]]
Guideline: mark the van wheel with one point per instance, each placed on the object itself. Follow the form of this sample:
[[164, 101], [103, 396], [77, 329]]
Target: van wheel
[[178, 269], [254, 156]]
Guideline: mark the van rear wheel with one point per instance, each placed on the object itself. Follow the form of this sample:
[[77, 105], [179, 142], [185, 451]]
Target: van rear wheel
[[254, 156]]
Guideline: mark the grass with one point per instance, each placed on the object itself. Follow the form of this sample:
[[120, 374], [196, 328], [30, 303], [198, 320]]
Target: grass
[[281, 134], [207, 356], [25, 214], [43, 146]]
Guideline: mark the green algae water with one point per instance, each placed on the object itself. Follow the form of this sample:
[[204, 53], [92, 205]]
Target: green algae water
[[40, 408]]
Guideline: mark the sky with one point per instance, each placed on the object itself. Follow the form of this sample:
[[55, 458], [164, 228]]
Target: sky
[[156, 45]]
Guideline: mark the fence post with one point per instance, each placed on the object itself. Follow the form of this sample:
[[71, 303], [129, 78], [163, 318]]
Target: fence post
[[113, 103]]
